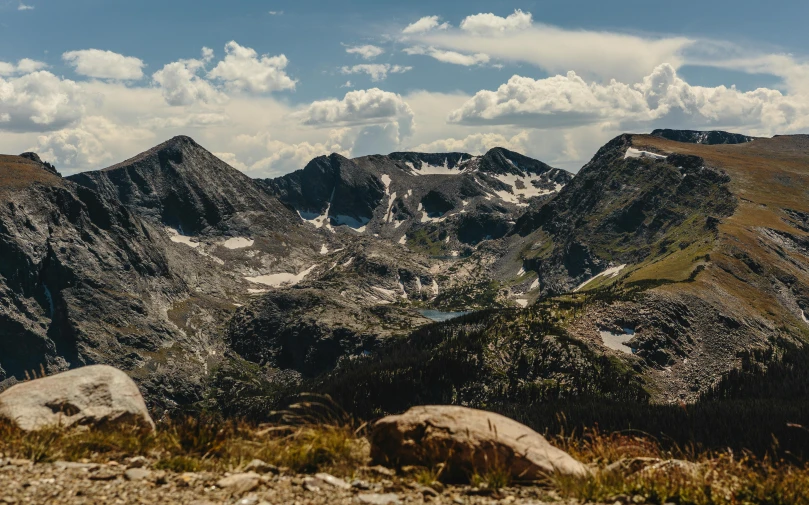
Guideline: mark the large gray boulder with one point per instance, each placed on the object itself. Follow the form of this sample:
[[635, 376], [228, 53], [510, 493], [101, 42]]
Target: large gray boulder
[[469, 441], [97, 395]]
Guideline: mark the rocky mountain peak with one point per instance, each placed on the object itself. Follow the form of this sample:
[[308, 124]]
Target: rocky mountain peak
[[182, 185], [334, 185], [499, 160], [31, 156], [170, 155], [44, 164]]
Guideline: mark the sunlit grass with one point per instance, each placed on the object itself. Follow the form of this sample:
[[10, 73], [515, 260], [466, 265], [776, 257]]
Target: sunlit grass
[[624, 467]]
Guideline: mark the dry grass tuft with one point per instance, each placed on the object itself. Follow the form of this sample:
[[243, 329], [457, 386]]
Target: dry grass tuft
[[634, 468], [626, 467], [195, 444]]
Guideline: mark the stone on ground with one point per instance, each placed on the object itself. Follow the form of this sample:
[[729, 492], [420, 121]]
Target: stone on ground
[[260, 466], [469, 441], [333, 481], [97, 395], [378, 499], [137, 474], [240, 483]]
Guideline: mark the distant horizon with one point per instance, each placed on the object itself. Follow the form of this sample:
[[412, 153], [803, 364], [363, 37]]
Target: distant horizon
[[131, 156], [269, 86]]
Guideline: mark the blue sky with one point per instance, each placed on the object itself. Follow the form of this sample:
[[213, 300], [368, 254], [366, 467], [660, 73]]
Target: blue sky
[[281, 82]]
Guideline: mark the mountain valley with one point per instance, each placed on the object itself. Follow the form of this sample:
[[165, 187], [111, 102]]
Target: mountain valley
[[668, 263]]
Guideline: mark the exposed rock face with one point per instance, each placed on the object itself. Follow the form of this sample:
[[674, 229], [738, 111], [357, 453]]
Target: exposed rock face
[[420, 160], [89, 273], [420, 199], [469, 441], [332, 184], [79, 276], [702, 137], [617, 207], [308, 330], [97, 395], [183, 186], [344, 312]]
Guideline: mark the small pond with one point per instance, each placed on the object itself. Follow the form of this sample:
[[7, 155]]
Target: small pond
[[438, 315]]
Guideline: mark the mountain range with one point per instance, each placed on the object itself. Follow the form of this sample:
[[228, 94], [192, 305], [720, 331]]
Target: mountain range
[[668, 262]]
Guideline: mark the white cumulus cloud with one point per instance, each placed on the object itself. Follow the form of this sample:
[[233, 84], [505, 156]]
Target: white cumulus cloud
[[207, 54], [182, 85], [425, 24], [453, 57], [40, 101], [476, 143], [23, 66], [384, 117], [104, 64], [488, 23], [360, 107], [244, 70], [377, 71], [661, 98], [87, 144], [367, 52]]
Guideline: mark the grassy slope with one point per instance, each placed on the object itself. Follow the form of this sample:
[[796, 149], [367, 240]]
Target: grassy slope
[[18, 173], [767, 176]]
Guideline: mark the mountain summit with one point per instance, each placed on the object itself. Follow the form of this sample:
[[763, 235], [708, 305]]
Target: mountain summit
[[181, 185]]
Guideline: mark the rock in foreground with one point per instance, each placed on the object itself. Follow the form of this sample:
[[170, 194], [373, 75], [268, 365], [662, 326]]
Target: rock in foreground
[[97, 395], [469, 441]]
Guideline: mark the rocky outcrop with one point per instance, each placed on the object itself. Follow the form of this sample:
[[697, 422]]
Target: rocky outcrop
[[74, 271], [99, 396], [702, 137], [470, 442], [309, 331], [36, 159], [300, 329]]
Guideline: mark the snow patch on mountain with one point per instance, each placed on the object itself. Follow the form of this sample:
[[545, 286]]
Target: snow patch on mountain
[[427, 169], [610, 272], [635, 153], [238, 243], [281, 279], [176, 237]]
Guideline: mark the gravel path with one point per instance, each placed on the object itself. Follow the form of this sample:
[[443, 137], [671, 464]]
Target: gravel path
[[22, 482]]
